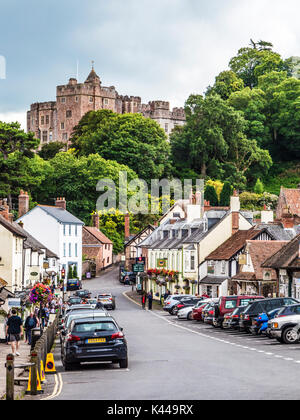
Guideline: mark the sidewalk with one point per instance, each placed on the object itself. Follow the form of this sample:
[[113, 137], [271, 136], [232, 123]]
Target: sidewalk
[[23, 358], [137, 298]]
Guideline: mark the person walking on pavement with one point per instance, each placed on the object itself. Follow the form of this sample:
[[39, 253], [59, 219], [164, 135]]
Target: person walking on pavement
[[30, 323], [150, 300], [14, 330], [42, 316], [99, 305], [144, 299]]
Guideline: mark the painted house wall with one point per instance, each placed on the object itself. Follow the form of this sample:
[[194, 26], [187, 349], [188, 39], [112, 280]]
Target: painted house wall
[[11, 264]]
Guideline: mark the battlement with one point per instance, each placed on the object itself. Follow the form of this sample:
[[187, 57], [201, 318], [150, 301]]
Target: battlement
[[156, 105]]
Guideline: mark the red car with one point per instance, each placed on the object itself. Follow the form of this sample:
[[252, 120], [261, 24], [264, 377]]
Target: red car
[[227, 304], [197, 311]]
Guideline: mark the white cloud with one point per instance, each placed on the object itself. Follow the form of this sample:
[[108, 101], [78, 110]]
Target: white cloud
[[13, 117]]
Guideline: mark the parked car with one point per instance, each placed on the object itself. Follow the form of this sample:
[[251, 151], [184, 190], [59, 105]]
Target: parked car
[[289, 310], [89, 313], [262, 306], [94, 340], [198, 310], [131, 276], [187, 312], [107, 300], [189, 302], [172, 301], [73, 284], [235, 317], [83, 294], [74, 300], [208, 313], [227, 304], [286, 329]]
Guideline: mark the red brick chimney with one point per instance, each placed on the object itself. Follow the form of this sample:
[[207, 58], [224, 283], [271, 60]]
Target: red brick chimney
[[61, 202], [4, 210], [23, 203], [95, 219], [207, 205], [127, 225]]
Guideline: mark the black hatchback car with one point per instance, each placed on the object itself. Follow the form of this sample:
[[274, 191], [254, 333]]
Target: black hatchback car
[[259, 307], [99, 339]]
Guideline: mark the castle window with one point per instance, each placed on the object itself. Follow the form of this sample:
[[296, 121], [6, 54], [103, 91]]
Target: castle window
[[47, 119], [50, 136], [76, 98], [65, 136], [42, 120], [63, 100], [45, 136], [62, 126], [91, 99], [166, 128], [105, 101], [68, 114]]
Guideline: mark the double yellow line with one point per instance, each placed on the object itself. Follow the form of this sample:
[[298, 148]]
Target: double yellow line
[[57, 388]]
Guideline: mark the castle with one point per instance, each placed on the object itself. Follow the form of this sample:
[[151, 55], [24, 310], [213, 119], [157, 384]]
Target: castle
[[54, 121]]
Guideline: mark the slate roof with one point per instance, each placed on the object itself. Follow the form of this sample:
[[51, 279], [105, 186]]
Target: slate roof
[[12, 227], [212, 280], [286, 257], [61, 215]]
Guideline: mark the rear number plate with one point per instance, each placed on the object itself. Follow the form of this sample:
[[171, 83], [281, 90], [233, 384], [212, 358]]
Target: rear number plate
[[95, 340]]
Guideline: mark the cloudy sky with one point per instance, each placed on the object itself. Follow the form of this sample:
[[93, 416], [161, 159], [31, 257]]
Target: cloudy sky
[[156, 49]]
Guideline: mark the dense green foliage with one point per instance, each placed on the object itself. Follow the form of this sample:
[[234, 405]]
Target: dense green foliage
[[129, 139]]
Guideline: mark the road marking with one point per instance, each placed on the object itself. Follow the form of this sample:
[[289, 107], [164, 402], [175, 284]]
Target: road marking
[[176, 324]]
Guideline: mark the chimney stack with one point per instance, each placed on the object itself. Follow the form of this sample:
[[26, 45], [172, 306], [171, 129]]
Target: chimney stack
[[95, 219], [127, 225], [288, 221], [4, 209], [61, 203], [23, 203], [235, 207]]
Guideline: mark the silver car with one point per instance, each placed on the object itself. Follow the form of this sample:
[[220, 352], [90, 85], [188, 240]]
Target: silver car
[[285, 329]]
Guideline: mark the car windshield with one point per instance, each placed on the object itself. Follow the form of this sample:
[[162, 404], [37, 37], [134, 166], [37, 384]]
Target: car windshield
[[95, 326]]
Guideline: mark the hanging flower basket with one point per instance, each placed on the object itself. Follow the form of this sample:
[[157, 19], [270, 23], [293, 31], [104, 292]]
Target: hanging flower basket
[[186, 287], [177, 287], [194, 281], [40, 293]]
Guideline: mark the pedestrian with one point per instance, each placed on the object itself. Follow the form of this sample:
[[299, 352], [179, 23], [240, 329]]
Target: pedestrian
[[14, 330], [42, 315], [144, 299], [126, 281], [150, 300], [99, 305], [30, 323], [5, 324]]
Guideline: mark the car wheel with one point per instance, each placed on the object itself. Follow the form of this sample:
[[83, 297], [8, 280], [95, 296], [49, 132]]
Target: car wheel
[[173, 311], [123, 364], [290, 336], [190, 316]]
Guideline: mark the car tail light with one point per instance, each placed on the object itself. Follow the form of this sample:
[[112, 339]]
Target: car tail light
[[73, 338], [117, 335], [180, 306], [247, 317], [211, 312], [235, 316]]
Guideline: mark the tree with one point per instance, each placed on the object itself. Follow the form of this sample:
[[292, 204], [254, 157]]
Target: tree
[[251, 63], [15, 146], [226, 194], [259, 188], [128, 139], [74, 178], [226, 83], [211, 195], [49, 150]]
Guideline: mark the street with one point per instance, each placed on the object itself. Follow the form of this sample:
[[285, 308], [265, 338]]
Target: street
[[182, 360]]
